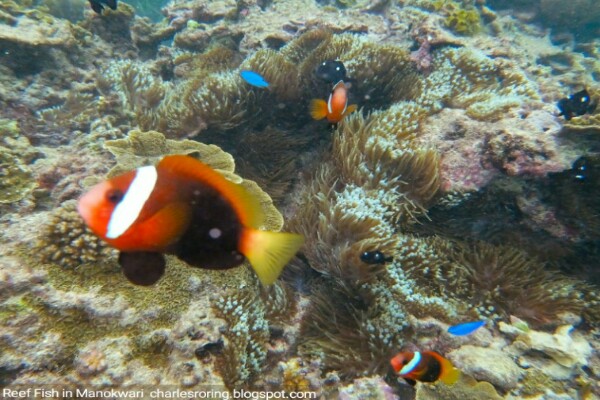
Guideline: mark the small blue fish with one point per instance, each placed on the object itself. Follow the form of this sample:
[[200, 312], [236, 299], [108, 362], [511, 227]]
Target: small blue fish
[[254, 78], [465, 328]]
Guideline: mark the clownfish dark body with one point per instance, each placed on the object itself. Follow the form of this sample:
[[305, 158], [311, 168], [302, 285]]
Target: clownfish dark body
[[577, 104], [98, 5], [183, 207], [374, 257], [335, 108], [425, 366], [331, 71]]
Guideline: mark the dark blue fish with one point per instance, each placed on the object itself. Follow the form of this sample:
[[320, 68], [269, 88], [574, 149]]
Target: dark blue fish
[[331, 71], [97, 5], [374, 257], [254, 79], [576, 104], [580, 169], [465, 328]]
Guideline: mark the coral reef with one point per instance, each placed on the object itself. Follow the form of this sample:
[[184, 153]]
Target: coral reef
[[464, 21], [474, 361], [16, 178], [502, 281], [74, 258], [466, 389], [247, 335], [68, 243], [147, 148], [455, 169], [37, 32]]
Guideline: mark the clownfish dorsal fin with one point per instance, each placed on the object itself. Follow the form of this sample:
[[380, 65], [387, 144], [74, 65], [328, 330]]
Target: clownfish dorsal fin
[[246, 206], [268, 252]]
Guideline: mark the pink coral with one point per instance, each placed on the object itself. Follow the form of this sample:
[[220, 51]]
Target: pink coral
[[422, 57], [475, 152]]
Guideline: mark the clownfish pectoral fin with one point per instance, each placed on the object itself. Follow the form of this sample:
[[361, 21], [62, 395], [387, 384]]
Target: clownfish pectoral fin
[[246, 205], [318, 109], [167, 225], [350, 109], [141, 267], [268, 252], [450, 374]]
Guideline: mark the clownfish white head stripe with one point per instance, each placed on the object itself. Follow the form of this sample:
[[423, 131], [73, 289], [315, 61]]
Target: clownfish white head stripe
[[129, 208], [411, 364], [329, 109]]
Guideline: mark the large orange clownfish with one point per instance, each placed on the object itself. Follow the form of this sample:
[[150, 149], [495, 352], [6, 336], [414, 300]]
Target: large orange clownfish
[[336, 107], [183, 207], [425, 366]]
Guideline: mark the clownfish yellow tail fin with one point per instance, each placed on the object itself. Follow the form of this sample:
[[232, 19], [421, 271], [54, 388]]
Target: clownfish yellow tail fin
[[450, 374], [318, 109], [268, 252]]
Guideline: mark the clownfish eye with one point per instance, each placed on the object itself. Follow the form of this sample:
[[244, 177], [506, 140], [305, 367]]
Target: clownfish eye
[[114, 196]]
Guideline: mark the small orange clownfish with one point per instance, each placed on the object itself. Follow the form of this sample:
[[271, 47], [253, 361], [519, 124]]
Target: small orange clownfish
[[425, 366], [183, 207], [336, 107]]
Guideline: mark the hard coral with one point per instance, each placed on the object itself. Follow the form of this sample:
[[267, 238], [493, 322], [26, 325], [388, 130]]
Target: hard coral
[[16, 180], [147, 148], [65, 240], [464, 21], [467, 388], [30, 33]]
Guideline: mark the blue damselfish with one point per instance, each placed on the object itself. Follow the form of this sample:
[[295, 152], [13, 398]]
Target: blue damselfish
[[254, 78], [465, 328]]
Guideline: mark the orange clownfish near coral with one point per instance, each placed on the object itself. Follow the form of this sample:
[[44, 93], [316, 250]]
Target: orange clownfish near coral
[[183, 207], [336, 107], [424, 366]]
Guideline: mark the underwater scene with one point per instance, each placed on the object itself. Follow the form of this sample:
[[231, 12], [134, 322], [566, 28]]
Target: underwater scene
[[309, 199]]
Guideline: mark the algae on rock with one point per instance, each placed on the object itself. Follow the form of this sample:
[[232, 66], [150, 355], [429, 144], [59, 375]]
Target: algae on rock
[[16, 181]]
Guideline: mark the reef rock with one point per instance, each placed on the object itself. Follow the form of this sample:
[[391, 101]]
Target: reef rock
[[367, 388], [466, 388], [476, 362], [565, 349], [30, 32], [16, 179]]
